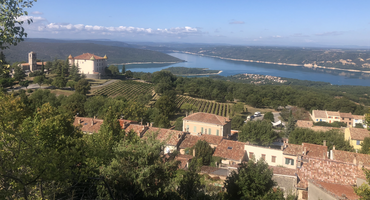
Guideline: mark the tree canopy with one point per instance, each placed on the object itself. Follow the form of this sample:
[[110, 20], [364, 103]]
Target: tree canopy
[[257, 132]]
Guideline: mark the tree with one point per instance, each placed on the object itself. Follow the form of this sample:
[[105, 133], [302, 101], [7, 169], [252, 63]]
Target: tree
[[187, 107], [290, 127], [74, 104], [123, 69], [25, 83], [178, 124], [71, 84], [39, 80], [189, 185], [269, 116], [257, 132], [252, 181], [364, 190], [82, 86], [129, 74], [19, 74], [165, 105], [11, 31], [140, 175], [74, 74], [237, 122], [113, 70], [59, 82], [365, 146], [237, 108], [203, 151]]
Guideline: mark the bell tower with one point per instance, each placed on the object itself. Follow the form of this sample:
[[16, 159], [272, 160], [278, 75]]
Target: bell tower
[[32, 61]]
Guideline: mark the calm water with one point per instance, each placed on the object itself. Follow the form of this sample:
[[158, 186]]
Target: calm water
[[334, 77]]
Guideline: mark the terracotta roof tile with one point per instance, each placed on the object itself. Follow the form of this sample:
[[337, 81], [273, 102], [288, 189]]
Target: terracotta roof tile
[[293, 149], [328, 171], [229, 149], [207, 118], [358, 117], [208, 169], [283, 171], [137, 128], [172, 137], [124, 123], [351, 157], [324, 128], [87, 56], [332, 113], [359, 133], [184, 159], [85, 123], [189, 141], [304, 124], [319, 113], [211, 139], [337, 190], [346, 115], [314, 150]]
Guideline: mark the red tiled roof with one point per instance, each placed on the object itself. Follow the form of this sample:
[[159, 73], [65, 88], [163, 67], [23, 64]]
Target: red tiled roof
[[346, 115], [208, 169], [189, 141], [37, 63], [207, 118], [138, 129], [123, 122], [87, 56], [304, 124], [314, 150], [283, 171], [359, 133], [332, 113], [358, 116], [319, 113], [184, 159], [293, 149], [324, 128], [351, 157], [85, 123], [229, 149], [211, 139], [329, 171], [337, 190], [171, 137]]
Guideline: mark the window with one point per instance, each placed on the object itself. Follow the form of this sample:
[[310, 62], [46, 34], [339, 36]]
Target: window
[[263, 156], [201, 130], [218, 132], [289, 161], [342, 118], [329, 117], [349, 118], [317, 120], [273, 159], [358, 142], [349, 123], [320, 120], [230, 148], [251, 155], [187, 128], [209, 131]]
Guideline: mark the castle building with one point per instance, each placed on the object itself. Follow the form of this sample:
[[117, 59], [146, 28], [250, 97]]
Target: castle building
[[32, 64], [89, 63]]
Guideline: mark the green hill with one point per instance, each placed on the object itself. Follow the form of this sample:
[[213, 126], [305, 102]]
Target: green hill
[[48, 50]]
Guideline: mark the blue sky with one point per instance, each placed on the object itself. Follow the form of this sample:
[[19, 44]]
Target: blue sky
[[291, 23]]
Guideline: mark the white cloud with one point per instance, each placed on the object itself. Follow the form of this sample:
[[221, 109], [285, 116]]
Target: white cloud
[[276, 36], [331, 33], [37, 13]]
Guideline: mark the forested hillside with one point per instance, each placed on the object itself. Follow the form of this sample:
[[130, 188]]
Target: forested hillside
[[48, 51], [338, 58]]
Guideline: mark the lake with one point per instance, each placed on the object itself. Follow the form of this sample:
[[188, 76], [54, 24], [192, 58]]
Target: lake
[[335, 77]]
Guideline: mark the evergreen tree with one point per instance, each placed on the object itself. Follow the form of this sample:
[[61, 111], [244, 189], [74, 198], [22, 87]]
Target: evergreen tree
[[257, 132], [203, 151], [290, 127]]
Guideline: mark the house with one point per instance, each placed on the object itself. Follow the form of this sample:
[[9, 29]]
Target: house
[[331, 191], [346, 118], [137, 128], [191, 140], [184, 160], [286, 179], [359, 159], [32, 64], [359, 119], [206, 123], [333, 116], [88, 125], [124, 123], [293, 153], [231, 152], [319, 116], [273, 157], [89, 64], [356, 136], [171, 138]]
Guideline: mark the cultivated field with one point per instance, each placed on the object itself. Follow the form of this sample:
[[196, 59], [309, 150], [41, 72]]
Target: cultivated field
[[128, 89], [222, 109]]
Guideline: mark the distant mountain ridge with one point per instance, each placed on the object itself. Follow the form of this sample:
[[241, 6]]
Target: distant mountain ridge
[[117, 52]]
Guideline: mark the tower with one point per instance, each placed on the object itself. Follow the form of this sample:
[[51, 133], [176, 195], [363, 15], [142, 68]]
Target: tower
[[32, 61]]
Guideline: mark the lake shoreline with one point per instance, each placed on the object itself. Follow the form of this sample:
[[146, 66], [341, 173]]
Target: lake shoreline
[[310, 66], [138, 63], [209, 74]]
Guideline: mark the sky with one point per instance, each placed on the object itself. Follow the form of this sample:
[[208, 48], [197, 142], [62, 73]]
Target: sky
[[270, 22]]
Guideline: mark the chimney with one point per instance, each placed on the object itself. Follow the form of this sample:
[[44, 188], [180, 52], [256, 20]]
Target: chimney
[[333, 147], [79, 121], [92, 122], [324, 142], [194, 152], [304, 151], [151, 124], [94, 117], [147, 124], [355, 160]]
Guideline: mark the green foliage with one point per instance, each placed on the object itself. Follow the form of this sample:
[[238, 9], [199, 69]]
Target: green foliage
[[237, 108], [82, 87], [179, 123], [364, 190], [74, 74], [39, 80], [59, 82], [12, 31], [332, 137], [187, 107], [237, 122], [74, 104], [257, 132], [189, 186], [333, 124], [290, 127], [269, 116], [25, 83], [203, 151], [129, 74], [71, 84], [165, 105], [19, 74], [253, 181], [365, 146], [138, 169], [113, 70]]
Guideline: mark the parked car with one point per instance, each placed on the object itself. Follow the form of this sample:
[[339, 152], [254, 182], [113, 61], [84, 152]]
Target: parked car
[[257, 114]]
